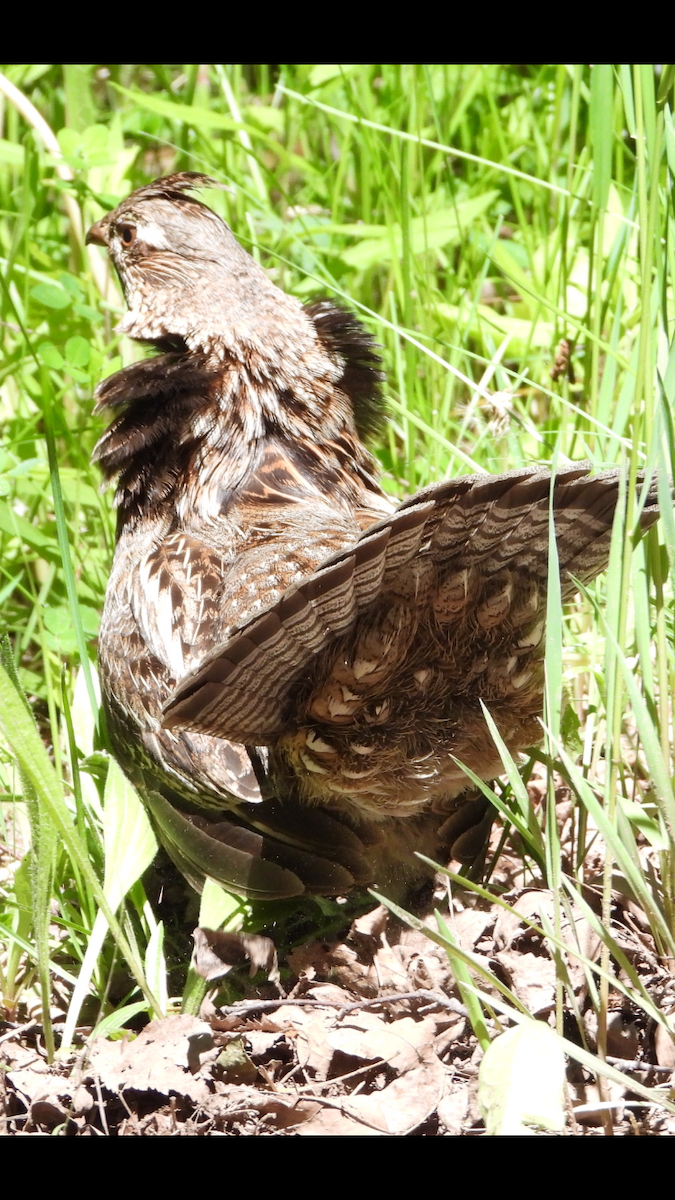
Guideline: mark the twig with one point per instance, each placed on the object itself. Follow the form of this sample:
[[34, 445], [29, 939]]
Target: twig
[[244, 1008]]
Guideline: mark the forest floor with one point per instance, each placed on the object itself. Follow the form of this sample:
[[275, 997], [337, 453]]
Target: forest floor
[[367, 1037]]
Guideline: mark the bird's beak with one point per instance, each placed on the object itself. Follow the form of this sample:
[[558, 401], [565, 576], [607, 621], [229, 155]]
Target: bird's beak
[[97, 235]]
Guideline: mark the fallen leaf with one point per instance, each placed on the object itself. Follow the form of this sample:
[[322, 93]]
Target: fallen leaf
[[315, 1052], [169, 1056], [453, 1109], [398, 1109], [372, 924], [369, 1038], [216, 952], [531, 977], [405, 1104], [664, 1046], [332, 1122]]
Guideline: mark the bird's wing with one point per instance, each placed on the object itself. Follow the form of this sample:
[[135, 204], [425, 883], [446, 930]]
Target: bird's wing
[[472, 523], [176, 603], [181, 591]]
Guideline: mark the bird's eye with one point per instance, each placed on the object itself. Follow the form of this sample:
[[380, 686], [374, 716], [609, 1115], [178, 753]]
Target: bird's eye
[[127, 234]]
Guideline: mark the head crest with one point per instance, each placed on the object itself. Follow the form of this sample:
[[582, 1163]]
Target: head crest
[[174, 187]]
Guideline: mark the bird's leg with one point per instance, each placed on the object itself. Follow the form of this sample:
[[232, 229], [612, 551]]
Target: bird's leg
[[466, 832]]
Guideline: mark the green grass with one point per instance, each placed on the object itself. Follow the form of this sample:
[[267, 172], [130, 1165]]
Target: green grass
[[474, 216]]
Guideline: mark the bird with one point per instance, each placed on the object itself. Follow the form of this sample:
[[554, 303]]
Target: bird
[[295, 670]]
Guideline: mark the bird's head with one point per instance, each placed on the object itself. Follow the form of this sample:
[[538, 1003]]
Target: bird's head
[[185, 277]]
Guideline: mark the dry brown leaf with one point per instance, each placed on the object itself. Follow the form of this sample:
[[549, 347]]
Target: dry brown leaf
[[397, 1109], [216, 952], [169, 1056], [261, 1041], [510, 927], [388, 973], [399, 1044], [234, 1102], [664, 1047], [426, 964], [372, 924], [50, 1098], [448, 1033], [330, 993], [531, 977], [315, 1052], [453, 1109], [332, 1122], [292, 1017], [469, 926], [404, 1104], [340, 962], [512, 933]]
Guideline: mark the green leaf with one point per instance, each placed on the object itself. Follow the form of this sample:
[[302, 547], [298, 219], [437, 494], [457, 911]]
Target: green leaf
[[22, 736], [51, 356], [219, 908], [130, 847], [10, 153], [201, 118], [51, 295], [78, 351], [22, 921], [58, 622], [521, 332], [17, 526], [130, 844], [155, 967], [570, 726], [653, 830], [87, 148], [426, 233], [266, 116], [80, 109], [72, 285], [118, 1019], [326, 72], [626, 83], [462, 977], [670, 140]]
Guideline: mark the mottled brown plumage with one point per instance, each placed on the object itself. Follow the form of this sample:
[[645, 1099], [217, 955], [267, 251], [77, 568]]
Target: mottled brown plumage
[[291, 666]]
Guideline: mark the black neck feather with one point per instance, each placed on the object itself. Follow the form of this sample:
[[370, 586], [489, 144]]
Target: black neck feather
[[166, 402]]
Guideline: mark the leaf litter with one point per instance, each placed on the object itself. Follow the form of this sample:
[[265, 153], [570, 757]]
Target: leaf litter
[[372, 1038]]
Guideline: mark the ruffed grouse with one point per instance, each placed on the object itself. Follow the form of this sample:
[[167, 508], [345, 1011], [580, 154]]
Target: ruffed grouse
[[292, 667]]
